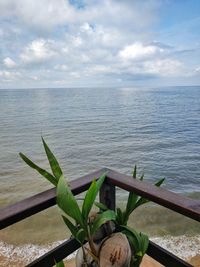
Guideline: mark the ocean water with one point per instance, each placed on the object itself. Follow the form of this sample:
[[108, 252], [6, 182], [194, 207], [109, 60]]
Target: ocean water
[[89, 128]]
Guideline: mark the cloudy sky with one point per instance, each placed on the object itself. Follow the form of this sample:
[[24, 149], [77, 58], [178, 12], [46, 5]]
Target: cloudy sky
[[63, 43]]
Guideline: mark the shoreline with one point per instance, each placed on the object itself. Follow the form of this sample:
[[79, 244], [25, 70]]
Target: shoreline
[[185, 247]]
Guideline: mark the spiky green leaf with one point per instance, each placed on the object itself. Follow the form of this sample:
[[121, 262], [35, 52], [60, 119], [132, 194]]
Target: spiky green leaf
[[139, 243], [131, 203], [41, 171], [160, 182], [135, 172], [60, 264], [120, 217], [141, 201], [101, 206], [142, 177], [81, 235], [133, 236], [67, 202], [52, 161], [102, 218], [89, 200], [91, 196], [144, 243], [73, 228]]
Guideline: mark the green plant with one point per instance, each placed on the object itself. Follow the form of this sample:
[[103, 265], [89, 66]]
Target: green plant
[[77, 218], [78, 225], [138, 241], [134, 201]]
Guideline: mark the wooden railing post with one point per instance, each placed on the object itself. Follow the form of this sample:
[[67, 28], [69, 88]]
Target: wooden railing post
[[107, 195]]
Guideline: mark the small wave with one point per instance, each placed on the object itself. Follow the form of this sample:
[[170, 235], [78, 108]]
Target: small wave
[[183, 246], [25, 254]]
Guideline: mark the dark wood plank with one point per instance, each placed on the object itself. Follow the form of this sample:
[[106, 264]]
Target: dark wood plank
[[165, 257], [107, 195], [27, 207], [173, 201], [57, 254], [62, 251]]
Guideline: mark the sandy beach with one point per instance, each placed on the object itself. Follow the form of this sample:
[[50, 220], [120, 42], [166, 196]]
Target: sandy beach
[[147, 262]]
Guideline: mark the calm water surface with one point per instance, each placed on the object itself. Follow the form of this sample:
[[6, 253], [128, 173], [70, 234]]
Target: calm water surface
[[157, 129]]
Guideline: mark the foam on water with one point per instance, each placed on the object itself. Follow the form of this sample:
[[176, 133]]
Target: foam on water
[[182, 246], [26, 253]]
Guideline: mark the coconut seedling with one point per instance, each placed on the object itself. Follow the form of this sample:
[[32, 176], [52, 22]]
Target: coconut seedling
[[128, 245], [138, 241], [74, 217]]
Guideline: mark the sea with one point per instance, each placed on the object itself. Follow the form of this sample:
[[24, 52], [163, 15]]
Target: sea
[[157, 129]]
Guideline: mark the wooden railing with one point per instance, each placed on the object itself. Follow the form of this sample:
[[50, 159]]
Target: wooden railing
[[30, 206]]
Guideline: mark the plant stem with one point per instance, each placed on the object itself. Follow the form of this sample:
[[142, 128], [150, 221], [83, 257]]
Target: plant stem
[[84, 256], [92, 246]]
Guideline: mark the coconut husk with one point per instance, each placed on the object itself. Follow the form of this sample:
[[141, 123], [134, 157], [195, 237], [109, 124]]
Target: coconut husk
[[115, 251]]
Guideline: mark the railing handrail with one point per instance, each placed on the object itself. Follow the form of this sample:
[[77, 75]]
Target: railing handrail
[[39, 202], [29, 206], [179, 203]]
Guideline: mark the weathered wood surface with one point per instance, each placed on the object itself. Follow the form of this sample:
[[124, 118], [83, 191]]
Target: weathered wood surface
[[44, 200], [183, 205], [107, 195], [165, 257], [56, 254], [29, 206]]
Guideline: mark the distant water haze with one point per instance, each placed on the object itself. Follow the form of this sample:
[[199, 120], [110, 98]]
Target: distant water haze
[[158, 129]]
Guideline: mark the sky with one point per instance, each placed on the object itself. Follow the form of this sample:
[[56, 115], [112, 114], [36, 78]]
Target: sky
[[101, 43]]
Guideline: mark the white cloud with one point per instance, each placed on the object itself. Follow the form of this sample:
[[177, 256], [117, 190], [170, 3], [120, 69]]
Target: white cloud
[[75, 74], [164, 67], [86, 28], [9, 76], [61, 67], [38, 51], [77, 41], [99, 69], [43, 14], [57, 40], [138, 51], [197, 70], [1, 33], [47, 14], [9, 63], [35, 78]]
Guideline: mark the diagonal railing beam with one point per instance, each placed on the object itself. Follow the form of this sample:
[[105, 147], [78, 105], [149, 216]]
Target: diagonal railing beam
[[57, 254], [29, 206], [165, 257], [68, 247], [183, 205]]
